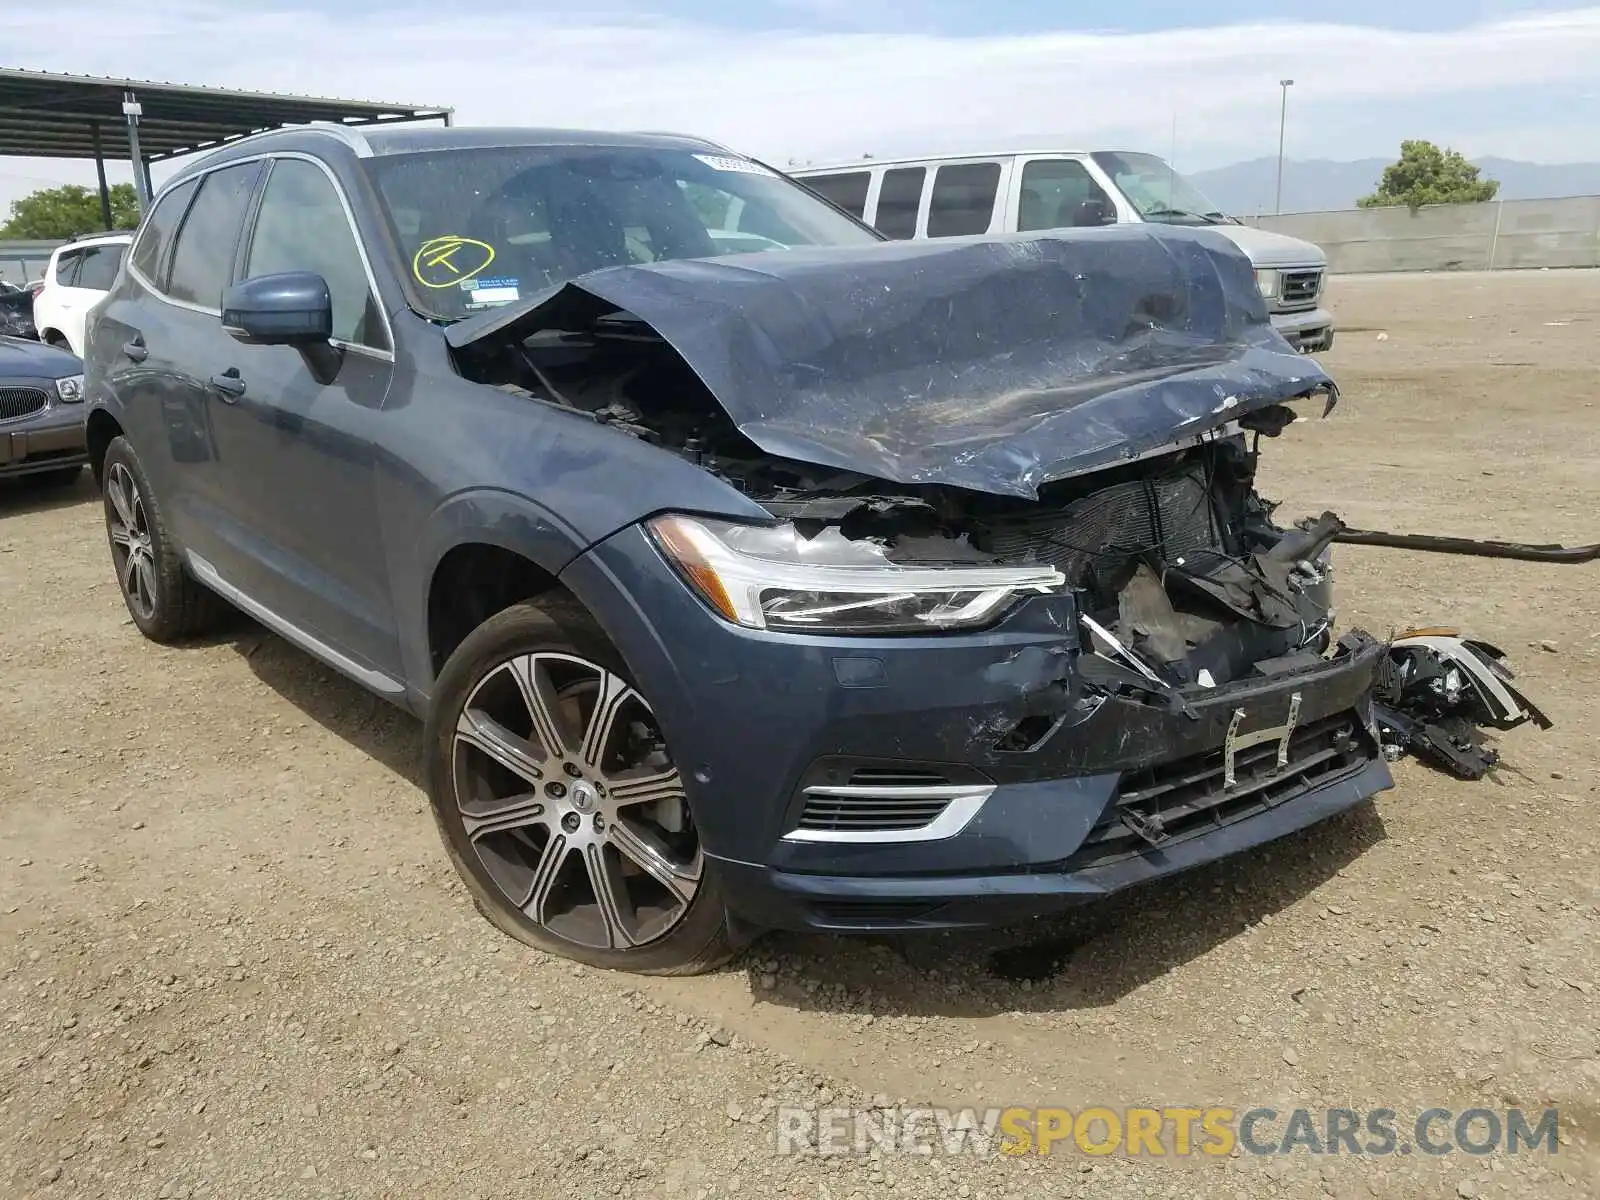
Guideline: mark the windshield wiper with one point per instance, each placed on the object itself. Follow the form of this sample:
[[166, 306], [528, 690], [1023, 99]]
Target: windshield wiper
[[1208, 218]]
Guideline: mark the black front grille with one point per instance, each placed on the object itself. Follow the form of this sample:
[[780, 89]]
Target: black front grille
[[1092, 540], [1300, 287], [19, 402], [1176, 800]]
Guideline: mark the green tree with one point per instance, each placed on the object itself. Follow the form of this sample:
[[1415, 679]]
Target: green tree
[[68, 211], [1426, 174]]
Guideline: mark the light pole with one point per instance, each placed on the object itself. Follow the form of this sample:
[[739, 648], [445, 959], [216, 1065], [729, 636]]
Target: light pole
[[1283, 117]]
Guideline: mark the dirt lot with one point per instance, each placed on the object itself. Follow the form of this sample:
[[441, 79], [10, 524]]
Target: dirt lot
[[234, 962]]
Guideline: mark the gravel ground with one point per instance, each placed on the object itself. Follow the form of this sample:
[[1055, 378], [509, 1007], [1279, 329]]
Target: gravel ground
[[234, 962]]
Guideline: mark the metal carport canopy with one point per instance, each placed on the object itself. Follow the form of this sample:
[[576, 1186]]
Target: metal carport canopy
[[45, 115]]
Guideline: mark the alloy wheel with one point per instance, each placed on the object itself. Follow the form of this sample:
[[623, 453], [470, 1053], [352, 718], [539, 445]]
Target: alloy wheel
[[131, 547], [572, 804]]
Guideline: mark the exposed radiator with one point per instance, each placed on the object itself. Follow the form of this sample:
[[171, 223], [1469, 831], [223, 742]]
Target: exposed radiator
[[1095, 538]]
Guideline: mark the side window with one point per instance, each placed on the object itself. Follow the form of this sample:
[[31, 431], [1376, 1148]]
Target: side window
[[963, 199], [302, 226], [99, 267], [158, 229], [898, 200], [1053, 192], [202, 260], [848, 191], [67, 263]]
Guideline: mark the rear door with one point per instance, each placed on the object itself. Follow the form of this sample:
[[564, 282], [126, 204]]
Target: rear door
[[294, 445], [178, 342]]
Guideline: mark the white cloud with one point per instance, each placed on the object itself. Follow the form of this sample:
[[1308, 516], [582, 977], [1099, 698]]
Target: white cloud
[[817, 95]]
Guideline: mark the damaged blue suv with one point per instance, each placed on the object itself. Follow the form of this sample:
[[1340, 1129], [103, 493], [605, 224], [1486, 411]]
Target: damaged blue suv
[[748, 570]]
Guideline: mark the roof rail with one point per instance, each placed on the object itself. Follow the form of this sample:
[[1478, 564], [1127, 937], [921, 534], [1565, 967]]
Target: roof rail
[[349, 136]]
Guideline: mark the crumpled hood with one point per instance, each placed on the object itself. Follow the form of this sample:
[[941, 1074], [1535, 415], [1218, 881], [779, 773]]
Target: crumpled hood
[[995, 364], [24, 359]]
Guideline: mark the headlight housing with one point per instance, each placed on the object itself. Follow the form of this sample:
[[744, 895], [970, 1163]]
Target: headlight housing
[[69, 388], [772, 577], [1267, 284]]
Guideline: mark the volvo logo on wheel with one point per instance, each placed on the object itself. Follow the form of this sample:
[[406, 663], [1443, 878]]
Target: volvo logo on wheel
[[584, 796]]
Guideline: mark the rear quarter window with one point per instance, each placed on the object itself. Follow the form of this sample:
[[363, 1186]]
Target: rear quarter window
[[149, 251], [66, 272]]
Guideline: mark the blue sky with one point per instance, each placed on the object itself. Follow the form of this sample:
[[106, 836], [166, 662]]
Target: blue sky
[[813, 80]]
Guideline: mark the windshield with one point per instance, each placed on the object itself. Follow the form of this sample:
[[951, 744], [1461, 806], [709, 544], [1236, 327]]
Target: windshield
[[484, 227], [1159, 192]]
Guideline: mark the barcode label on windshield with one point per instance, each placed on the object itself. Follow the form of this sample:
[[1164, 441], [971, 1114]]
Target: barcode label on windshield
[[721, 162]]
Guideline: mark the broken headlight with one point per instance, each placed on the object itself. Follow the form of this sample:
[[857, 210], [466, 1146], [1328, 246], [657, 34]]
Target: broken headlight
[[772, 577]]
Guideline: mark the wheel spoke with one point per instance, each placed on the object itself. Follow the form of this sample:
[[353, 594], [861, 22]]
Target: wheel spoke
[[121, 536], [610, 896], [483, 732], [608, 702], [147, 579], [130, 571], [545, 875], [646, 789], [679, 880], [502, 814], [543, 706], [119, 499]]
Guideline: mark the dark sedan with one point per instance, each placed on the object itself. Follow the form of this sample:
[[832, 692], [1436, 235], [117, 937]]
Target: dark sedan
[[41, 411]]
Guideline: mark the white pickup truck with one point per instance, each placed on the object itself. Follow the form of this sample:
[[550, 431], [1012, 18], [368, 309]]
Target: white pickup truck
[[1018, 191]]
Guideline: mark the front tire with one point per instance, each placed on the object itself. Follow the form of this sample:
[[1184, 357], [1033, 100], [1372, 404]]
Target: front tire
[[163, 601], [559, 803]]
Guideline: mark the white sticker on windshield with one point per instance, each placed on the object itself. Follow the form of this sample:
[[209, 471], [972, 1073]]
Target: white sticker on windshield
[[743, 166]]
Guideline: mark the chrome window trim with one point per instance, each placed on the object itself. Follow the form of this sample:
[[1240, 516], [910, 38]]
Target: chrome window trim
[[350, 222]]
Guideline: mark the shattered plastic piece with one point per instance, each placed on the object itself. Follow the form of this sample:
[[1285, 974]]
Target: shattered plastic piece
[[1435, 693]]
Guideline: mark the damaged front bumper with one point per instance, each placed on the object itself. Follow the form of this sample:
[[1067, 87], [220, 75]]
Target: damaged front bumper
[[882, 784], [1162, 792]]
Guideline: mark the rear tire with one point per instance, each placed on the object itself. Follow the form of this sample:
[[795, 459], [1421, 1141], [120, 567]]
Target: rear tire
[[569, 826], [164, 602]]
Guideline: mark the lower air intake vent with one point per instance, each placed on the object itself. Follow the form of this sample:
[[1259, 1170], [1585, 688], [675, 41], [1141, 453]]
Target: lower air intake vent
[[888, 804]]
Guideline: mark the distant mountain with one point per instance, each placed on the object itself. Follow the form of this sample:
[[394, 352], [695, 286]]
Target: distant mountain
[[1314, 185]]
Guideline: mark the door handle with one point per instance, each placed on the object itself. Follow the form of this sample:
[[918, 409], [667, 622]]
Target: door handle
[[228, 385], [136, 349]]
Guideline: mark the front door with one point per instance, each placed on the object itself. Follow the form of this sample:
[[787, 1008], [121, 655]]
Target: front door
[[294, 434]]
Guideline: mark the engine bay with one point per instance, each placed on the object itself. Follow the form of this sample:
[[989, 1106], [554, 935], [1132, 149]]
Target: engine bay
[[1174, 558]]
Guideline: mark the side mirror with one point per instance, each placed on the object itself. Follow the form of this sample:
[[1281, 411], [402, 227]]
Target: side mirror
[[1093, 212], [291, 309]]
